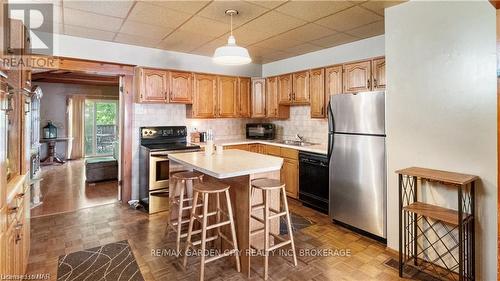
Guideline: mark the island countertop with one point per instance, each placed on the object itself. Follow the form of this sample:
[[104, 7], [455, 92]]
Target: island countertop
[[231, 163]]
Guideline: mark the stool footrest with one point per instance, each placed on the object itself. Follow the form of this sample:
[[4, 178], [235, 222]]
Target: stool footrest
[[218, 224], [257, 219], [279, 245], [190, 207], [258, 207], [256, 231], [225, 254], [198, 242], [277, 215], [175, 222]]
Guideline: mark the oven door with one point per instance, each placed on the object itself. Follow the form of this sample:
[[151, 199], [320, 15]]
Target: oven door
[[159, 167]]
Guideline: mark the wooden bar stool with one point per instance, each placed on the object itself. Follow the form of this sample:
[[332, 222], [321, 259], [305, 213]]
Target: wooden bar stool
[[204, 190], [265, 186], [182, 202]]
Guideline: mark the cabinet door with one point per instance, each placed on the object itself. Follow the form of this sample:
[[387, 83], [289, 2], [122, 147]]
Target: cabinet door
[[154, 85], [285, 87], [227, 96], [253, 147], [290, 176], [300, 92], [333, 77], [205, 96], [357, 77], [244, 100], [181, 87], [237, 146], [378, 74], [272, 97], [3, 143], [317, 91], [259, 98]]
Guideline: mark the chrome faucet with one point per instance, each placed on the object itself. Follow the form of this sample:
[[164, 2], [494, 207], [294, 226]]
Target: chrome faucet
[[301, 138]]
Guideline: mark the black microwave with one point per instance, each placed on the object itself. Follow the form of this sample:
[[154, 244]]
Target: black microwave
[[261, 131]]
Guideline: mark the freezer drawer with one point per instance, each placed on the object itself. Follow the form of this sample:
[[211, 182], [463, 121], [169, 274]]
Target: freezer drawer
[[358, 182]]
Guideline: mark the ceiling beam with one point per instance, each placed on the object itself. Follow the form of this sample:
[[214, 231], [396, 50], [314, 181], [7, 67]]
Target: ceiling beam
[[80, 65]]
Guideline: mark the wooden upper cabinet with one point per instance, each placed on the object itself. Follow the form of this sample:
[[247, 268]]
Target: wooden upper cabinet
[[273, 107], [285, 87], [300, 87], [153, 85], [244, 99], [357, 77], [333, 80], [258, 98], [204, 96], [181, 87], [227, 96], [378, 74], [317, 92]]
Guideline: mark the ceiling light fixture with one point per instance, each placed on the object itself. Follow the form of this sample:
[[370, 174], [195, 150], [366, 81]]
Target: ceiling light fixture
[[231, 54]]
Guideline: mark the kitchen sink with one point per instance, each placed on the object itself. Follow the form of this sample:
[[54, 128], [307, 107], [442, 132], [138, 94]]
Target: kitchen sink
[[295, 142]]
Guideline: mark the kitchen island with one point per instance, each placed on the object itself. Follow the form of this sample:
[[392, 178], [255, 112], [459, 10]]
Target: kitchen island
[[236, 168]]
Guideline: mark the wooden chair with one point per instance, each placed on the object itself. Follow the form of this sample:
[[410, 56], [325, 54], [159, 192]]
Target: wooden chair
[[203, 190], [265, 186], [182, 202]]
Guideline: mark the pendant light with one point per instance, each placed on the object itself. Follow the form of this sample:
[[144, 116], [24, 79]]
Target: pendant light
[[231, 54]]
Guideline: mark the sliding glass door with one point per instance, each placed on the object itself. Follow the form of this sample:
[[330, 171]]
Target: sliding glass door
[[101, 127]]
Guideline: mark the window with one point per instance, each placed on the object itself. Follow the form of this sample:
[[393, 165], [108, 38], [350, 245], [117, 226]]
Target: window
[[101, 127]]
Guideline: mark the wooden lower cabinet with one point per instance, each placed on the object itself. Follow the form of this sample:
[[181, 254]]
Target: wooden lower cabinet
[[290, 176], [237, 146], [15, 236]]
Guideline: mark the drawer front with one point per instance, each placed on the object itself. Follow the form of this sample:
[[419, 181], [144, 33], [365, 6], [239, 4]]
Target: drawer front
[[237, 146], [273, 150], [289, 153]]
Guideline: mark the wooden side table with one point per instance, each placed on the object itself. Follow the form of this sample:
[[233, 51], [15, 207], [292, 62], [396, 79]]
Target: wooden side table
[[434, 239], [52, 157]]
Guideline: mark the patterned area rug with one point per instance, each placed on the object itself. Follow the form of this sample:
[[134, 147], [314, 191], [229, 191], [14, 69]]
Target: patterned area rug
[[111, 262], [298, 222]]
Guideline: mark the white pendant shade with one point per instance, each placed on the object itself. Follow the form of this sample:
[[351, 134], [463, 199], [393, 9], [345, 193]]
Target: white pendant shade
[[231, 54]]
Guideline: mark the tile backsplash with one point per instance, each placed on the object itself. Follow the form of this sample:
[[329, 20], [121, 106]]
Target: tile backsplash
[[300, 122]]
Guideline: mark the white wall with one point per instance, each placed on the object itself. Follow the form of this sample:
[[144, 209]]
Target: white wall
[[53, 106], [441, 105], [77, 47], [362, 49]]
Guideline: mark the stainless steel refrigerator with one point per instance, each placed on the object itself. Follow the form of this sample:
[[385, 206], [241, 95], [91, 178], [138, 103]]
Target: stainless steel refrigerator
[[357, 176]]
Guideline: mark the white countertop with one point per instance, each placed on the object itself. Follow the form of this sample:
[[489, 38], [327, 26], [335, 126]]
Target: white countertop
[[317, 148], [231, 163]]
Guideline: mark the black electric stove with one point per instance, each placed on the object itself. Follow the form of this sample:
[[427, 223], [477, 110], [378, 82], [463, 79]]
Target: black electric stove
[[154, 165]]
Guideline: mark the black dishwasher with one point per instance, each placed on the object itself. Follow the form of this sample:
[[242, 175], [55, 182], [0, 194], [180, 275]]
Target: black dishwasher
[[313, 180]]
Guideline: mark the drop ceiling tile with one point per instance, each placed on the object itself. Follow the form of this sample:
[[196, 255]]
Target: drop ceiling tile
[[270, 4], [334, 40], [277, 43], [90, 20], [378, 6], [190, 7], [273, 23], [246, 36], [86, 32], [117, 9], [204, 26], [349, 19], [145, 30], [307, 33], [183, 41], [157, 15], [313, 10], [303, 48], [136, 40], [278, 55], [208, 48], [246, 11], [369, 30], [259, 51]]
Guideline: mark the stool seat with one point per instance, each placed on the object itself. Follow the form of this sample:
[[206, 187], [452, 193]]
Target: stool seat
[[267, 184], [210, 187], [187, 175]]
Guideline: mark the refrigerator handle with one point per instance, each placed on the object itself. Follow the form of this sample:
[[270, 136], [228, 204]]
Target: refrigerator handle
[[330, 144], [330, 117]]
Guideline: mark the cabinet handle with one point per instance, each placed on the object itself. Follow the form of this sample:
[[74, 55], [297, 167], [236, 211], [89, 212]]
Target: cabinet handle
[[368, 82], [18, 238], [375, 83], [322, 110], [20, 195], [18, 226]]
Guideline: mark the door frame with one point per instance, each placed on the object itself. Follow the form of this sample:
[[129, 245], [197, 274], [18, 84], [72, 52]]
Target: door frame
[[126, 101]]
